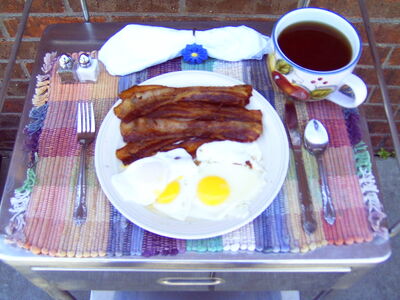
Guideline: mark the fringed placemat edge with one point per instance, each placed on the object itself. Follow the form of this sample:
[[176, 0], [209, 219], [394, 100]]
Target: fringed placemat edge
[[20, 200], [369, 189]]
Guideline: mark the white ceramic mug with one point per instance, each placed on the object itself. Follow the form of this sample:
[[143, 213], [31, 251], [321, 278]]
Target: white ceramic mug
[[310, 85]]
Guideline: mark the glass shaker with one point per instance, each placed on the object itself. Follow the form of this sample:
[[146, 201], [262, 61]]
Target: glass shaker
[[66, 69], [88, 68]]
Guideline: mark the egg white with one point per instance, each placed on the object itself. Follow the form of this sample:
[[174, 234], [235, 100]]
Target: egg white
[[244, 184], [231, 152], [143, 180]]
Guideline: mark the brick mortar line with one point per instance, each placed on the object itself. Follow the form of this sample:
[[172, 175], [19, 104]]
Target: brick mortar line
[[182, 6], [67, 6], [382, 120], [8, 128], [25, 70], [139, 14], [395, 45], [20, 79], [362, 66], [369, 95], [4, 30], [384, 67], [379, 121], [392, 87], [11, 114], [184, 14], [380, 104], [24, 39], [15, 97], [24, 60], [396, 112], [386, 61]]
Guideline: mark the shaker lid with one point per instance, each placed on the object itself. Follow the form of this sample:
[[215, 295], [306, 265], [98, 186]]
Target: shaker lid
[[65, 61], [84, 60]]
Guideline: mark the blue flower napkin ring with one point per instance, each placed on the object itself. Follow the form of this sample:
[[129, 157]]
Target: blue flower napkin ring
[[194, 53]]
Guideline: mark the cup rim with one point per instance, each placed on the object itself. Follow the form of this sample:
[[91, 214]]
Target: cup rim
[[352, 63]]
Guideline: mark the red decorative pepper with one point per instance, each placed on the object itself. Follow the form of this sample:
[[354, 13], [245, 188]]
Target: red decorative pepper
[[292, 90]]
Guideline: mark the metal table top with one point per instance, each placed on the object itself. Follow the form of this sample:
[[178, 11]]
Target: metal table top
[[91, 36]]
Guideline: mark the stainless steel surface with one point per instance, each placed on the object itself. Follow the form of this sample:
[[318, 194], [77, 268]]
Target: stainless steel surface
[[85, 10], [14, 51], [86, 133], [385, 94], [316, 141], [295, 142], [271, 270], [327, 258], [197, 281], [323, 268]]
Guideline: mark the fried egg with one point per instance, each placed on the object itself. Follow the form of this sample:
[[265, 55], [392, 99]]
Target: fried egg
[[226, 177], [224, 190], [158, 180], [231, 152]]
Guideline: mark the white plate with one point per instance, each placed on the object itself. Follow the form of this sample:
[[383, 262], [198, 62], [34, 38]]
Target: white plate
[[274, 145]]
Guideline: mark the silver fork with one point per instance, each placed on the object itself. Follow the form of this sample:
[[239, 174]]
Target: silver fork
[[86, 131]]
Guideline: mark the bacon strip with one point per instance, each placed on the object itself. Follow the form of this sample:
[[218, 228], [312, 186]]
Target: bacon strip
[[190, 145], [142, 129], [141, 103], [134, 151], [205, 111], [129, 93]]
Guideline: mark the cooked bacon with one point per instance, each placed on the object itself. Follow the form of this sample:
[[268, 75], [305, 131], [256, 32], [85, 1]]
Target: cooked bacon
[[158, 118], [205, 112], [190, 145], [134, 151], [142, 103], [128, 93], [142, 129], [237, 95]]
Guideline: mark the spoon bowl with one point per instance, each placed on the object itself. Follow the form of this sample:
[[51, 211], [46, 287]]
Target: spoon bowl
[[316, 140], [316, 137]]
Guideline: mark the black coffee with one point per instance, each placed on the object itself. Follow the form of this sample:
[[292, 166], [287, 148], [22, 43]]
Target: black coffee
[[315, 46]]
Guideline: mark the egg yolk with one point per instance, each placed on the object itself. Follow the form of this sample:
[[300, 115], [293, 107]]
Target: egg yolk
[[212, 190], [170, 192]]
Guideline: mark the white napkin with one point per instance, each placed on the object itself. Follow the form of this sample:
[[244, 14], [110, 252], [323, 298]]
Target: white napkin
[[136, 47]]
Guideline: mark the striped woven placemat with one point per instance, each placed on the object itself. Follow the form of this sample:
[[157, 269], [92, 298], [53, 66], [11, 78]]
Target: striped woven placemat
[[42, 207]]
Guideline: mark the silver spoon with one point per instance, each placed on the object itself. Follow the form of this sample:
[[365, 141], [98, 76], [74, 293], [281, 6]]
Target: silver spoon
[[316, 140]]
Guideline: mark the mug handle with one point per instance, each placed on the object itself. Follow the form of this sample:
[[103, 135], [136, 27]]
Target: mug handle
[[359, 89]]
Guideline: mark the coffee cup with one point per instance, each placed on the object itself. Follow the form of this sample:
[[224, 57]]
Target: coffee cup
[[314, 54]]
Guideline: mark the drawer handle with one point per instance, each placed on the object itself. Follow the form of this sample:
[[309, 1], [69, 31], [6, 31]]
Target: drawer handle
[[183, 281]]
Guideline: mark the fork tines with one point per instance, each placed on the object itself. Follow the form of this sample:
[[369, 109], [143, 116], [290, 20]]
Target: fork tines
[[85, 118]]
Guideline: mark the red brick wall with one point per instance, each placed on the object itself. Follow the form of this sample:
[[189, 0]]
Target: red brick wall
[[385, 21]]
